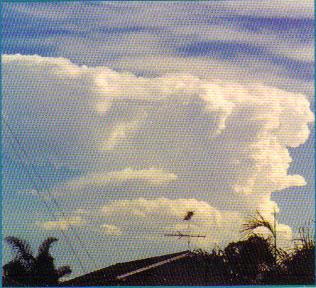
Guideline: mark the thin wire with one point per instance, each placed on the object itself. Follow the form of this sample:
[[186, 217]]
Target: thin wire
[[50, 212], [51, 198]]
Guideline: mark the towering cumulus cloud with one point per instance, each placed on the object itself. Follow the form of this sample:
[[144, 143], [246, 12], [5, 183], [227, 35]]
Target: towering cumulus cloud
[[164, 144]]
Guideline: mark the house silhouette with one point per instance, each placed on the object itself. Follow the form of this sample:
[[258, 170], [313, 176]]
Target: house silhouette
[[181, 268]]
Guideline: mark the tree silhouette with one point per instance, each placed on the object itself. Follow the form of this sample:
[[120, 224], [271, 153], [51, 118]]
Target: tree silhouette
[[259, 221], [27, 269], [253, 260], [249, 260], [298, 266], [214, 265]]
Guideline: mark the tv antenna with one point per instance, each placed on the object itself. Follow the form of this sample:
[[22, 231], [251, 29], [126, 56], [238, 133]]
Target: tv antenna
[[187, 235]]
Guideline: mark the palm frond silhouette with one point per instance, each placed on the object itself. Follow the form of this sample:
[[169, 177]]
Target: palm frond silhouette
[[258, 221], [29, 270]]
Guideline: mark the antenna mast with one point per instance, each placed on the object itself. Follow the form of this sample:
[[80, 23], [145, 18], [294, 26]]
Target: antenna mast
[[188, 235], [275, 235]]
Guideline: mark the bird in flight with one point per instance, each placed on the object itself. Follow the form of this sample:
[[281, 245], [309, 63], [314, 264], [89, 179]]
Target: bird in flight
[[189, 215]]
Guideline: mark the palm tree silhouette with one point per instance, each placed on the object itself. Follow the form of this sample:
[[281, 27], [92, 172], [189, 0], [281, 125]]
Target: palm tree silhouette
[[259, 221], [30, 270]]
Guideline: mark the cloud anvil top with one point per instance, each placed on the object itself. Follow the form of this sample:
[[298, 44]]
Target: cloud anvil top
[[129, 123]]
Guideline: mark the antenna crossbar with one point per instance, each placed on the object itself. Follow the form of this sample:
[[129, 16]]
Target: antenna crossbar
[[180, 235]]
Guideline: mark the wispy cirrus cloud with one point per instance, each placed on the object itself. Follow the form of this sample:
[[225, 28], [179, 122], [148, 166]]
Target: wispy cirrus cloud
[[152, 176], [277, 37], [111, 230], [62, 223]]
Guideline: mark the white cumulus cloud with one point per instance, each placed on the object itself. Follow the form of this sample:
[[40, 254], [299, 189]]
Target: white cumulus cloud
[[221, 142], [160, 216]]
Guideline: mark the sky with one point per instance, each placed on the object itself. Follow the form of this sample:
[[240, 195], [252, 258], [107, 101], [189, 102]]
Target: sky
[[118, 118]]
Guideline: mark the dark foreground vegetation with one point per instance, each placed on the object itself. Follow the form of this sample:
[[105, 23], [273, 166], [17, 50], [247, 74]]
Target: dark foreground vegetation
[[253, 260], [29, 270], [257, 259]]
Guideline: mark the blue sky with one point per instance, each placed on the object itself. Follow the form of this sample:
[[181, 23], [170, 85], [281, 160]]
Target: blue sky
[[132, 113]]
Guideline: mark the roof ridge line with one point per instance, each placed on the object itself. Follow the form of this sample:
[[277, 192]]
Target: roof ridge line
[[121, 277]]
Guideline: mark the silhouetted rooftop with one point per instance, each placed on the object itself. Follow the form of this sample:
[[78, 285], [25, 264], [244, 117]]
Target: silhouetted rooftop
[[171, 269]]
